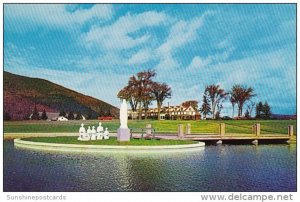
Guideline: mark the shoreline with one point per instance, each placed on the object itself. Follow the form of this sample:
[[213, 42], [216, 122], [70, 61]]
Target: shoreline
[[103, 148]]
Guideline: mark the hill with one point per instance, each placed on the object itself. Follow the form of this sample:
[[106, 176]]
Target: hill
[[22, 93]]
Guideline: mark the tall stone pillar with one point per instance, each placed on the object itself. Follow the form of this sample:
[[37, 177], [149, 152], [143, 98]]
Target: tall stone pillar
[[291, 130], [188, 129], [257, 129], [180, 131]]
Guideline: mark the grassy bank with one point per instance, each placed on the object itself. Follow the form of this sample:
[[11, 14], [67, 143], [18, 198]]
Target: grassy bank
[[111, 141], [165, 126]]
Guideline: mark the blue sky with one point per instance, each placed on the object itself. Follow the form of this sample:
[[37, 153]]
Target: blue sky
[[93, 49]]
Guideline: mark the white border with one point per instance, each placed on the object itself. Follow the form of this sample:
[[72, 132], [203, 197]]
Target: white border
[[123, 196]]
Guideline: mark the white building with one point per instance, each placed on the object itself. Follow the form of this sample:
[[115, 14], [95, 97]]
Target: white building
[[169, 112]]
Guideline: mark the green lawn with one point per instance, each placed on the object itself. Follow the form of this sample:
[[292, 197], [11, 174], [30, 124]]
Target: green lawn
[[165, 126], [111, 141]]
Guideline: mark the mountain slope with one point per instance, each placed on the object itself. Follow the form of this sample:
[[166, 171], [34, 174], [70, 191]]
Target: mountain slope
[[22, 93]]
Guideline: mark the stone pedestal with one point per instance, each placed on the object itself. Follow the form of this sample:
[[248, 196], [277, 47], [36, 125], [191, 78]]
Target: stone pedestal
[[148, 131], [123, 135]]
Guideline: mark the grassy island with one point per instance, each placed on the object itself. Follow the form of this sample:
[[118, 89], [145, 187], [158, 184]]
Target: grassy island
[[111, 141]]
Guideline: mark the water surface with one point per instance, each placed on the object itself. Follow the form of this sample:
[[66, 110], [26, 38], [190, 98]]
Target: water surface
[[215, 168]]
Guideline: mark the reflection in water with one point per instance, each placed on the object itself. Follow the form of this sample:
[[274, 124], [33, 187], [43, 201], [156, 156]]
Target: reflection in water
[[213, 168]]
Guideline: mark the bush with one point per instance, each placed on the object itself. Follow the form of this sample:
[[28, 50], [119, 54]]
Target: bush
[[44, 115]]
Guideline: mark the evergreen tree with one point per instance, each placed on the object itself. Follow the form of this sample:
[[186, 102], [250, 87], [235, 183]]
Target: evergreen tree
[[205, 108], [89, 114], [266, 109], [62, 113], [35, 114], [247, 114], [44, 115], [259, 109], [6, 116], [71, 115]]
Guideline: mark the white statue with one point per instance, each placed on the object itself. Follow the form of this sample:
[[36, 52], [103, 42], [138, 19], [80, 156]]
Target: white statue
[[100, 132], [89, 132], [106, 134], [123, 114], [81, 132], [93, 133]]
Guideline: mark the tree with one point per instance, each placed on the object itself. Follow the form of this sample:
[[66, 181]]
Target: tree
[[78, 116], [241, 94], [161, 91], [233, 102], [71, 115], [138, 91], [127, 93], [266, 111], [247, 114], [259, 109], [35, 114], [44, 115], [250, 108], [62, 113], [205, 108], [215, 95], [219, 109], [6, 116], [146, 103], [192, 103], [89, 114]]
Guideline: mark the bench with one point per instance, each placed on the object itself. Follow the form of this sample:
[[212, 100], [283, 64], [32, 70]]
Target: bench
[[142, 131]]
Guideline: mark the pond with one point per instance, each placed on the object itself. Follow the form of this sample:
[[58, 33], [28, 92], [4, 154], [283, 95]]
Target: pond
[[214, 168]]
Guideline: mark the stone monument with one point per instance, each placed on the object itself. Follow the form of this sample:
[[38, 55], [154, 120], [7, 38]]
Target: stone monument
[[106, 134], [82, 132], [93, 133], [123, 132], [100, 132]]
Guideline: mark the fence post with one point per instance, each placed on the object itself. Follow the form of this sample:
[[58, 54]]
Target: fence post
[[222, 129], [188, 129], [257, 129], [180, 131], [290, 130]]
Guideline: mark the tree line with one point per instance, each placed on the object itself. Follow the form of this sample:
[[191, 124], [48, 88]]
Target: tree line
[[70, 116], [141, 90], [214, 97]]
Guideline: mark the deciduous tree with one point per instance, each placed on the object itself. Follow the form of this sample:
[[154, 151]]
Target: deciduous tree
[[161, 91], [241, 94], [215, 95]]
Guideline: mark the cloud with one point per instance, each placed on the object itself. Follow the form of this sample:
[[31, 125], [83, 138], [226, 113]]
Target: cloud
[[31, 16], [181, 33], [198, 63], [142, 56], [118, 35], [188, 51]]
